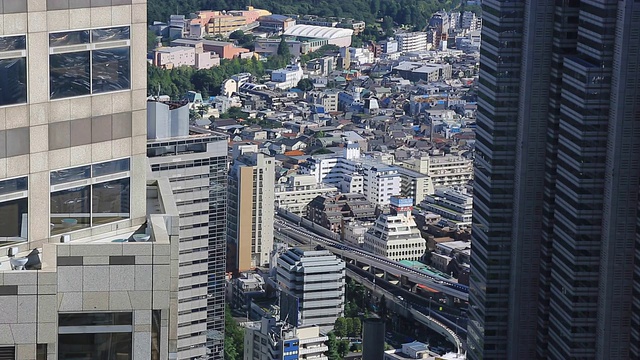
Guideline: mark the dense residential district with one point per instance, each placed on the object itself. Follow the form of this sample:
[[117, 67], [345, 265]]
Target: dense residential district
[[350, 176], [234, 183]]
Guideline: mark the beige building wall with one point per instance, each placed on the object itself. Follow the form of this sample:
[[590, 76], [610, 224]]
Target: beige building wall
[[58, 134], [96, 275], [89, 274], [246, 204]]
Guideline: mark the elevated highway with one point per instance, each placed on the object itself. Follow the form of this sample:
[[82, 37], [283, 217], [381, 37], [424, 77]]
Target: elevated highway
[[401, 306], [294, 227]]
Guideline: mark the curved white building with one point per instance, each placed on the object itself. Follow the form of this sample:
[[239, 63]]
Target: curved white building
[[335, 36]]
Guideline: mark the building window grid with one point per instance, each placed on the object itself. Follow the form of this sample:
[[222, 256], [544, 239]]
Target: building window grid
[[92, 43], [91, 176]]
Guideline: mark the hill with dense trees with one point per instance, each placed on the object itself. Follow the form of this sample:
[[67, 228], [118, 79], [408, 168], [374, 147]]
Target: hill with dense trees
[[409, 12]]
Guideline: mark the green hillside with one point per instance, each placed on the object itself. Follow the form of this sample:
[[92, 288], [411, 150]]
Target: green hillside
[[410, 12]]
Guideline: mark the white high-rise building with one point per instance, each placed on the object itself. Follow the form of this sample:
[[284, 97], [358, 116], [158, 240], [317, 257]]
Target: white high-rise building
[[316, 278], [396, 235], [415, 41]]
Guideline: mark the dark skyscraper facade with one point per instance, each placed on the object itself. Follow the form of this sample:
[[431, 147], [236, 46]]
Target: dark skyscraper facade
[[556, 254]]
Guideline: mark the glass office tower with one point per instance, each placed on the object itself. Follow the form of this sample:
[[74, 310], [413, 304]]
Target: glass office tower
[[556, 257]]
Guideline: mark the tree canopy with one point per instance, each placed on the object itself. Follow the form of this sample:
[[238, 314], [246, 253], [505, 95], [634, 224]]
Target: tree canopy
[[176, 82], [410, 12], [233, 337], [283, 49], [305, 85]]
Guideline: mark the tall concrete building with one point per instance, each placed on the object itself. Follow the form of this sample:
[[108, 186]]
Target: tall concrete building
[[316, 279], [250, 211], [194, 161], [556, 241], [73, 188]]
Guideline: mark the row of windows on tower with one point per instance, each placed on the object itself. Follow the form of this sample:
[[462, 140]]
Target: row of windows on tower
[[81, 62], [80, 197]]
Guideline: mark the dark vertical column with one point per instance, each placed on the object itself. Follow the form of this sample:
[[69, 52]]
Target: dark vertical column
[[621, 190], [499, 82], [529, 176]]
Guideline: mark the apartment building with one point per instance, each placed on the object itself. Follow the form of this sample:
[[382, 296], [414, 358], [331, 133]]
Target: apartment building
[[414, 41], [454, 204], [353, 232], [85, 271], [396, 235], [316, 278], [443, 171], [414, 184], [194, 160], [176, 56], [287, 77], [426, 71], [298, 192], [376, 180], [250, 211], [275, 339], [468, 21], [329, 99]]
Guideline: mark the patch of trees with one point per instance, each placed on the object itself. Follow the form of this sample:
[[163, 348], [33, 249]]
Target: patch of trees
[[409, 12], [347, 327], [176, 82], [233, 337]]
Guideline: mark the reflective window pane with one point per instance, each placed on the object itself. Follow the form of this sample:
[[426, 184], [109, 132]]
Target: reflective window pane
[[11, 43], [88, 319], [14, 185], [111, 70], [70, 210], [107, 346], [111, 167], [111, 201], [13, 81], [155, 334], [69, 175], [69, 38], [69, 74], [110, 34], [13, 219]]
